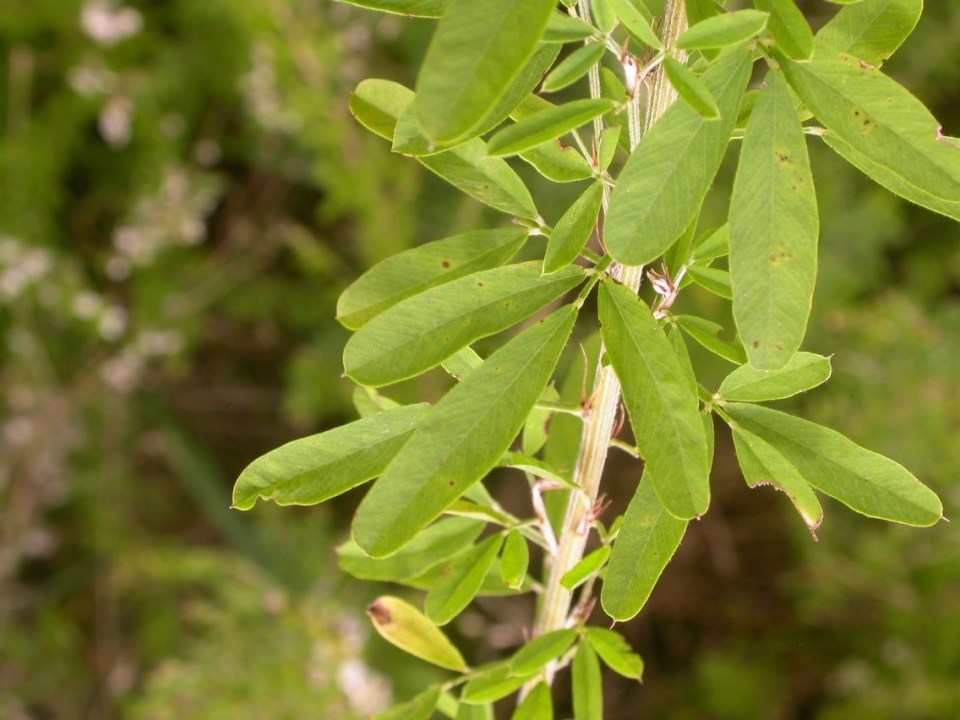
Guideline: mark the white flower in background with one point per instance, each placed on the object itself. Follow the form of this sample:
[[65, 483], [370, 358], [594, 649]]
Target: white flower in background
[[108, 24], [115, 121]]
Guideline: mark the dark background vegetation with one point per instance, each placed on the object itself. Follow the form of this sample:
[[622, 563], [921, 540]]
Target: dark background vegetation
[[183, 195]]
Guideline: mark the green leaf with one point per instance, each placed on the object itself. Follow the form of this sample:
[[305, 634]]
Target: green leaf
[[788, 27], [563, 28], [492, 685], [479, 47], [762, 464], [474, 712], [573, 230], [615, 652], [560, 164], [414, 271], [419, 332], [698, 10], [462, 438], [864, 481], [666, 178], [319, 467], [648, 539], [712, 245], [750, 384], [635, 23], [369, 402], [538, 705], [691, 88], [536, 467], [587, 567], [587, 684], [871, 30], [774, 226], [420, 707], [609, 137], [711, 279], [535, 654], [461, 580], [416, 8], [604, 16], [430, 548], [514, 560], [574, 66], [401, 624], [663, 410], [378, 104], [723, 30], [707, 334], [547, 125], [462, 363], [885, 125]]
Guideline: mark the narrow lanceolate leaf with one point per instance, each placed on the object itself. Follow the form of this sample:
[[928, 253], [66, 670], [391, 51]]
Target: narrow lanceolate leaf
[[609, 137], [635, 23], [865, 481], [762, 464], [666, 178], [698, 10], [586, 568], [514, 560], [483, 711], [461, 580], [574, 66], [886, 126], [562, 28], [573, 230], [547, 125], [462, 438], [534, 655], [538, 705], [615, 652], [415, 8], [587, 684], [401, 624], [433, 546], [479, 47], [709, 335], [691, 88], [526, 81], [664, 411], [491, 685], [872, 29], [319, 467], [712, 279], [378, 105], [750, 384], [420, 707], [557, 163], [788, 27], [648, 539], [413, 271], [774, 226], [723, 30], [419, 332]]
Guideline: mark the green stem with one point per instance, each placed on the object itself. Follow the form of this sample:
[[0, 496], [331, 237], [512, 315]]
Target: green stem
[[600, 416]]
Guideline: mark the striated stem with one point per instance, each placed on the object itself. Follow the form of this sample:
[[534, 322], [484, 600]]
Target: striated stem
[[601, 414]]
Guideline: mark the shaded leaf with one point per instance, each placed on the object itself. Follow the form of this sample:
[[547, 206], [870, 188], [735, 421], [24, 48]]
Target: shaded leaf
[[547, 125], [750, 384], [461, 440], [871, 30], [573, 230], [563, 28], [413, 271], [712, 279], [491, 685], [635, 23], [863, 480], [663, 410], [574, 66], [708, 334], [663, 184], [538, 705], [587, 567], [313, 469], [587, 684], [774, 226], [421, 707], [419, 332], [648, 539], [615, 652], [401, 624], [514, 559], [722, 30], [535, 654], [788, 27], [461, 580], [691, 88]]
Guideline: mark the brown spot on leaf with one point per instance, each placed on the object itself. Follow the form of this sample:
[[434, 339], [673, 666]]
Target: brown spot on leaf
[[378, 613], [756, 343], [445, 263], [779, 346]]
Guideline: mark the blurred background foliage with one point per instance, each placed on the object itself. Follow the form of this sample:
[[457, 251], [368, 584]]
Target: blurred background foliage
[[183, 196]]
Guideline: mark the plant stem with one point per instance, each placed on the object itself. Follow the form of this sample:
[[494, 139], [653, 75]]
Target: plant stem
[[600, 415]]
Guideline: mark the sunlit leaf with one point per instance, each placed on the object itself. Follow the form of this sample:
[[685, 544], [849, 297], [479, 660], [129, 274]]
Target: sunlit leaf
[[538, 705], [635, 23], [788, 27], [666, 178], [463, 437], [691, 88], [514, 559], [573, 230], [319, 467], [587, 684], [413, 271], [708, 334], [722, 30], [871, 30], [547, 125], [750, 384], [648, 539], [401, 624], [419, 332], [663, 410], [491, 685], [418, 708], [863, 480], [563, 28], [535, 654], [774, 226], [615, 652], [574, 66], [417, 8], [587, 567]]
